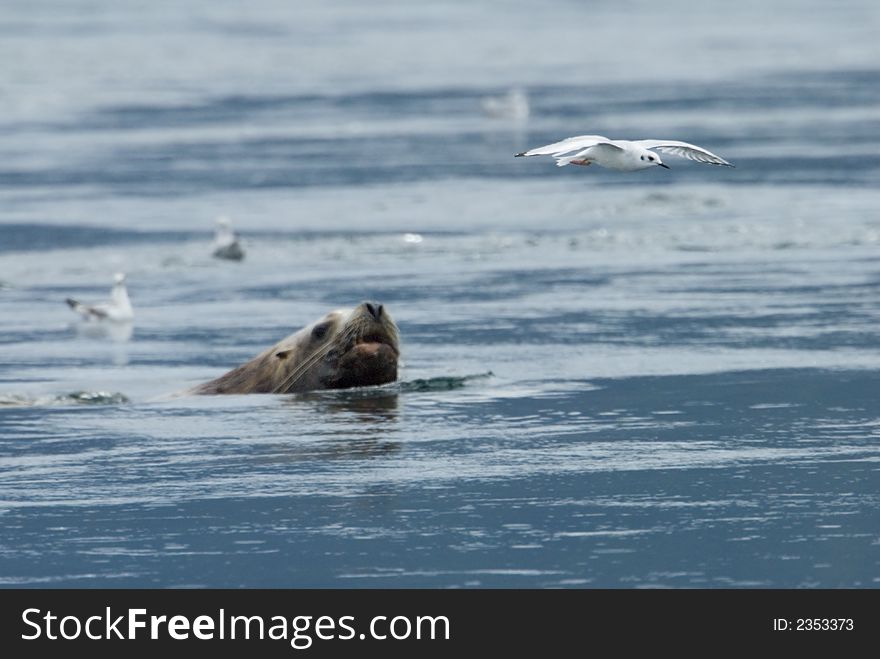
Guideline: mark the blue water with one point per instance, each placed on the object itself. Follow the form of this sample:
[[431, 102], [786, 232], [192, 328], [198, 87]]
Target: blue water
[[658, 379]]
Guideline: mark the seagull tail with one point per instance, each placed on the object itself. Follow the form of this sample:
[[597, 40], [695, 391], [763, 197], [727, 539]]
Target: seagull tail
[[82, 309]]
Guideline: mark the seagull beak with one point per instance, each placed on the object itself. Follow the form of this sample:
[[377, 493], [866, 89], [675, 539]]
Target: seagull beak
[[660, 164]]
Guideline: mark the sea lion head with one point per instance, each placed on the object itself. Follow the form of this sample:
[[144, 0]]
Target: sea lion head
[[346, 348]]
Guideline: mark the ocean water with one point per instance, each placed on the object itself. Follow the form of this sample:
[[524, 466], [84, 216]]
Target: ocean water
[[656, 379]]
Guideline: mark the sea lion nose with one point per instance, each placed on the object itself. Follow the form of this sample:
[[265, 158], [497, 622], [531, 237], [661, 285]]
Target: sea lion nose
[[374, 309]]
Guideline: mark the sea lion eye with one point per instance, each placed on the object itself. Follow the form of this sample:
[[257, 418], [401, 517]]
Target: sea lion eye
[[641, 157], [320, 331]]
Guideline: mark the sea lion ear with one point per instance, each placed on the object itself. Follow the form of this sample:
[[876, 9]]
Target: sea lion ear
[[283, 354]]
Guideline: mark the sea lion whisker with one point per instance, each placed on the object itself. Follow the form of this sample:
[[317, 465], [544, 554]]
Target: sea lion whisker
[[319, 354], [350, 335], [303, 367]]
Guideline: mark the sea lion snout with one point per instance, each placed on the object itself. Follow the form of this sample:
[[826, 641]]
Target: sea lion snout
[[374, 309]]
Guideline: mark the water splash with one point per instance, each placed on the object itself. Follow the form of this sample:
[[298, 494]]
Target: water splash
[[444, 383], [75, 397]]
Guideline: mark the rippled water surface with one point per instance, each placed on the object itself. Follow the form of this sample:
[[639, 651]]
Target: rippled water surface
[[657, 379]]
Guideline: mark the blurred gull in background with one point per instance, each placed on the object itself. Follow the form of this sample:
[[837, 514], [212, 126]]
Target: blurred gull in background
[[226, 244], [117, 309], [513, 105]]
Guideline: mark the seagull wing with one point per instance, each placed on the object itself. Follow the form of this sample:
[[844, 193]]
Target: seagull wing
[[684, 150], [88, 310], [568, 145]]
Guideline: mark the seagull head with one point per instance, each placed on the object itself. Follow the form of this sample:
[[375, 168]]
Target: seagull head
[[650, 159], [119, 278]]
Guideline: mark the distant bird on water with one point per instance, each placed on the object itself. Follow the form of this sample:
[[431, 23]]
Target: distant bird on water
[[116, 309], [621, 155], [226, 244], [512, 105]]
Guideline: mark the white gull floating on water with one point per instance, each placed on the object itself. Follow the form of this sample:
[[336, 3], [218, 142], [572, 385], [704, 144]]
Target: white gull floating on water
[[621, 155], [512, 105], [226, 244], [117, 308]]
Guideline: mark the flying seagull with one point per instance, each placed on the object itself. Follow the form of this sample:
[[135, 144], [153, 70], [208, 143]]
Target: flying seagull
[[622, 155]]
